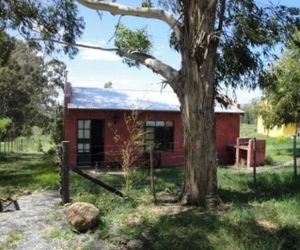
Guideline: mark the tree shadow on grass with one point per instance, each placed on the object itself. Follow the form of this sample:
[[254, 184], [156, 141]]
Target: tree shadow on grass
[[268, 186], [196, 229], [236, 226], [26, 171]]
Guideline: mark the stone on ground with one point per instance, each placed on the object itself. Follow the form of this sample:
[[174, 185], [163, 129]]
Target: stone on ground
[[135, 245], [82, 216]]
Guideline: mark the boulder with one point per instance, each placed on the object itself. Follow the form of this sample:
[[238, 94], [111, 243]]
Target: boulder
[[82, 215], [135, 245]]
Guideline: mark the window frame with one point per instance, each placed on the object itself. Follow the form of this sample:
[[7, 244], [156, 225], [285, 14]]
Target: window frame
[[156, 125], [84, 141]]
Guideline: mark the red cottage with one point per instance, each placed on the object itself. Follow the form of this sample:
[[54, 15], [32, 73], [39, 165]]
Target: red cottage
[[93, 116]]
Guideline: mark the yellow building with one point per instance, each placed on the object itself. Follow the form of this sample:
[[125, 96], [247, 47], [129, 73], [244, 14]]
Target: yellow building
[[285, 131]]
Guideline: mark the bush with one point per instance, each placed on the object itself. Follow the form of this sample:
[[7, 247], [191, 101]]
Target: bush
[[269, 160], [51, 152]]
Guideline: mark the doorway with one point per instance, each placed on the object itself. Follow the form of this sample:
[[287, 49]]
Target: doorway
[[90, 142]]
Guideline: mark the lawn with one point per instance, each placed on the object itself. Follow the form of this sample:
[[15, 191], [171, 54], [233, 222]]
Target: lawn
[[263, 217], [26, 172]]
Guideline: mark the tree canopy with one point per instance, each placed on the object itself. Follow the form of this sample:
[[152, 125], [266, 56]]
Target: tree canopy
[[28, 85], [4, 124], [248, 32], [281, 102]]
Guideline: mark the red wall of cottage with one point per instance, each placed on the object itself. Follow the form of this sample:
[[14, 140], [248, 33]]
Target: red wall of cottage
[[227, 130]]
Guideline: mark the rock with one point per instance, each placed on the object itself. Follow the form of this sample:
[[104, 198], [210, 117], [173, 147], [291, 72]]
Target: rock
[[82, 215], [26, 192], [135, 245]]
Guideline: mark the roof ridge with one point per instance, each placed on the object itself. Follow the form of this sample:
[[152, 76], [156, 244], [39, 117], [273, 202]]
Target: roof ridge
[[133, 90]]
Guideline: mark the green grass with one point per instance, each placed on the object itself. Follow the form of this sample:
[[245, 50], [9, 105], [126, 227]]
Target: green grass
[[26, 172], [12, 241], [278, 150], [263, 217]]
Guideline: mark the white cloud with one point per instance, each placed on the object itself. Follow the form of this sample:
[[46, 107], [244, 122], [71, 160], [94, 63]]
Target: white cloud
[[97, 55]]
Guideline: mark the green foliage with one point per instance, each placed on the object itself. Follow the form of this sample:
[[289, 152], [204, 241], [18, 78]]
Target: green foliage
[[108, 85], [7, 44], [29, 86], [250, 32], [269, 160], [57, 123], [4, 124], [147, 3], [248, 38], [282, 88], [251, 111], [39, 19], [129, 40]]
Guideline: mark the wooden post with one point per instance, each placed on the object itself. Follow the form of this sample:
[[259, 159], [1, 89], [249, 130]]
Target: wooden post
[[254, 161], [295, 154], [152, 173], [65, 182]]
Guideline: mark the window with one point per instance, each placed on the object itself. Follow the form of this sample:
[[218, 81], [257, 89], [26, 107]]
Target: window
[[83, 136], [160, 134], [84, 128]]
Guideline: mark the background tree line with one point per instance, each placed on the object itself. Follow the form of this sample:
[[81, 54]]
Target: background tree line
[[29, 87]]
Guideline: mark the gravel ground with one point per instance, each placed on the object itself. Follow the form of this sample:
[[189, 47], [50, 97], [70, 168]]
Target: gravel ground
[[40, 225]]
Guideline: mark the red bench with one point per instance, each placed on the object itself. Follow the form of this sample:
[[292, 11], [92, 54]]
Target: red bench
[[244, 150]]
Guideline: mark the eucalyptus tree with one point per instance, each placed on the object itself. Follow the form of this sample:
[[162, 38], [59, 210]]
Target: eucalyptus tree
[[221, 43]]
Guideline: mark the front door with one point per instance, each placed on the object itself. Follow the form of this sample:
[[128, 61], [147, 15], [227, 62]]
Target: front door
[[84, 142], [97, 142], [90, 142]]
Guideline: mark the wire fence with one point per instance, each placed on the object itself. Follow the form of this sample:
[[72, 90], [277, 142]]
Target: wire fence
[[24, 144]]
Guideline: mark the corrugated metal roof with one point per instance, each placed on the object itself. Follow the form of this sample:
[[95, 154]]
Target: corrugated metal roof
[[114, 99]]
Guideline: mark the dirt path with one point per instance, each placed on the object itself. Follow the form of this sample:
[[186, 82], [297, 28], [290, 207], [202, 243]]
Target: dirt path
[[40, 225]]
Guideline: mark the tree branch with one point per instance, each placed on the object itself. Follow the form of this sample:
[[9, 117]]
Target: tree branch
[[118, 9], [80, 45], [169, 73], [222, 15], [166, 71]]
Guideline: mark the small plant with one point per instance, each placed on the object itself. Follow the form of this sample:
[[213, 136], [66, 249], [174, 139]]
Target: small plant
[[130, 155], [12, 241]]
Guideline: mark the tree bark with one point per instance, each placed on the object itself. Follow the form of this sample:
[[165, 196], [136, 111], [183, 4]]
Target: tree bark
[[197, 103]]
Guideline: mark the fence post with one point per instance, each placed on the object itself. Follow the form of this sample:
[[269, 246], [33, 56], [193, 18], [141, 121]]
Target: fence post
[[295, 154], [65, 189], [152, 172], [254, 161]]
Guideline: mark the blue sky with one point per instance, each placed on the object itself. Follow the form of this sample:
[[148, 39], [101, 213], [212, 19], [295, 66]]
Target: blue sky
[[93, 68]]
